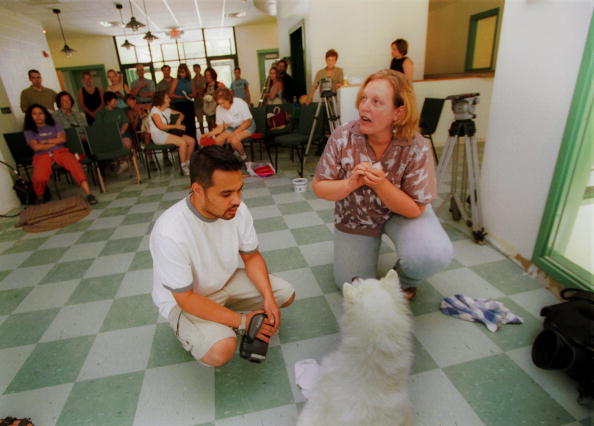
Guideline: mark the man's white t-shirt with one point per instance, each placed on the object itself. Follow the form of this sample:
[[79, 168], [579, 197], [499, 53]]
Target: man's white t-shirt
[[190, 251], [235, 115]]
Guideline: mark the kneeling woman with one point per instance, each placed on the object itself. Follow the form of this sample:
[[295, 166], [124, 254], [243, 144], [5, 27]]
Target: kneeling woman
[[163, 132], [47, 139], [234, 121], [381, 174]]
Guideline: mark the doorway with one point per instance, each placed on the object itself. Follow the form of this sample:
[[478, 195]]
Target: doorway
[[71, 77], [297, 59]]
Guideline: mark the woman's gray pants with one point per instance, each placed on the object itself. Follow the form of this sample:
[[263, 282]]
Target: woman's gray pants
[[422, 245]]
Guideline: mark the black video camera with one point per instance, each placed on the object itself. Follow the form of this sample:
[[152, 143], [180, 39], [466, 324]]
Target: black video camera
[[252, 348]]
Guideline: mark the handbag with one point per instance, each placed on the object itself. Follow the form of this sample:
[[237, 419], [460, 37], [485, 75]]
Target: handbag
[[277, 119], [176, 132]]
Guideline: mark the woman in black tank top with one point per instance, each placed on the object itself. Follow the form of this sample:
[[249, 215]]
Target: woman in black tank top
[[90, 98], [400, 62]]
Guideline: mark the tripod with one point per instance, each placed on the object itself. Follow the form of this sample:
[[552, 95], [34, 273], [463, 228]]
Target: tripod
[[329, 102], [467, 129]]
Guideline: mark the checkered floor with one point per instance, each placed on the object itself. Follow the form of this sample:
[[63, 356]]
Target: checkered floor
[[81, 342]]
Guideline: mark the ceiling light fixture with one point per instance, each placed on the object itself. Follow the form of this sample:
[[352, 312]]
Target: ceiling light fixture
[[134, 25], [67, 50], [126, 43], [148, 36]]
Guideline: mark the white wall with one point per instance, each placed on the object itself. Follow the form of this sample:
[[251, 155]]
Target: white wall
[[360, 30], [89, 51], [22, 44], [540, 50], [250, 39]]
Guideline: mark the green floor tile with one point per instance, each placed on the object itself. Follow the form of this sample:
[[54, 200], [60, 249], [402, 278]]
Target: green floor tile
[[11, 235], [10, 299], [142, 260], [501, 393], [506, 276], [514, 336], [270, 224], [115, 211], [150, 198], [67, 271], [312, 234], [165, 204], [138, 218], [132, 311], [307, 318], [166, 349], [76, 227], [52, 363], [325, 277], [454, 233], [123, 245], [427, 300], [43, 257], [259, 201], [97, 288], [128, 194], [95, 236], [4, 274], [25, 329], [281, 189], [103, 402], [284, 259], [422, 361], [26, 244], [292, 208], [454, 264], [242, 387], [326, 215]]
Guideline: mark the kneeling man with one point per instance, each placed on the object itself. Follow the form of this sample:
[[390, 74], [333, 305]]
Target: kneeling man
[[197, 283]]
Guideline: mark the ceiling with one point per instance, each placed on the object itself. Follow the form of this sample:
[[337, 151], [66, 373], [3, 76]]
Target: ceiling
[[84, 17]]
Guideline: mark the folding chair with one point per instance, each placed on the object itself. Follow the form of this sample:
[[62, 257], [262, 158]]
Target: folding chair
[[430, 119], [259, 136], [75, 146], [297, 140], [20, 150], [105, 142]]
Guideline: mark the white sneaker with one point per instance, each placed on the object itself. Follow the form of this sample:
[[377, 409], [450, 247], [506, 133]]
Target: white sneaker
[[186, 170]]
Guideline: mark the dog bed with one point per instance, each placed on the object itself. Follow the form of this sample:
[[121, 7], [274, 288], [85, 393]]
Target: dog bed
[[54, 214]]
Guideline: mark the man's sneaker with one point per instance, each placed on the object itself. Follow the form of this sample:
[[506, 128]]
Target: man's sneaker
[[91, 199], [243, 156], [186, 170]]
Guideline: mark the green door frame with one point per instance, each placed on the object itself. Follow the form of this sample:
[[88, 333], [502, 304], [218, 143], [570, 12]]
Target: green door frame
[[575, 154], [261, 56], [102, 73], [474, 19]]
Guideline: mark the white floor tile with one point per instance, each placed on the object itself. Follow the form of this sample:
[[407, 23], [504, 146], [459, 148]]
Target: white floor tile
[[180, 394], [83, 251], [436, 401], [264, 212], [129, 231], [12, 261], [11, 360], [118, 352], [301, 220], [110, 264], [276, 240], [318, 253], [279, 416], [469, 253], [47, 296], [61, 240], [106, 222], [452, 341], [534, 300], [463, 281], [304, 281], [136, 282], [77, 320], [288, 197], [42, 405], [25, 277]]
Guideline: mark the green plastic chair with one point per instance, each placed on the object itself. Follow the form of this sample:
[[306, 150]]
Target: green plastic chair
[[164, 149], [105, 142], [75, 146]]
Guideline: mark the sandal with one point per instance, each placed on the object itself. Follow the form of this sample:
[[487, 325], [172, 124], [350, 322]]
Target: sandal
[[409, 293], [13, 421]]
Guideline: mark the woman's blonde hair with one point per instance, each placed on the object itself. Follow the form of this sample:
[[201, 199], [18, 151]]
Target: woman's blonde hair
[[408, 125]]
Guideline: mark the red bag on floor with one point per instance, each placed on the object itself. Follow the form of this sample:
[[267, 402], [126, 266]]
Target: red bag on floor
[[207, 141]]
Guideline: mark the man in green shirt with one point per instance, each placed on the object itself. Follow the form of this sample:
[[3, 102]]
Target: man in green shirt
[[37, 94], [111, 115], [165, 84]]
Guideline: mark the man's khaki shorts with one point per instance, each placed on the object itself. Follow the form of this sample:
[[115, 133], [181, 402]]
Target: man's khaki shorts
[[239, 294]]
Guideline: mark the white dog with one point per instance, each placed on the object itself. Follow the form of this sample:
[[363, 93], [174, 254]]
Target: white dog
[[364, 382]]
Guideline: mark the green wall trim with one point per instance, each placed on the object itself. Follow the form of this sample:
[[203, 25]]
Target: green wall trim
[[472, 38], [575, 154]]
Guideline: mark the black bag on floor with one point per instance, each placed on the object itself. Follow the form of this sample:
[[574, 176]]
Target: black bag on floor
[[24, 189], [567, 342]]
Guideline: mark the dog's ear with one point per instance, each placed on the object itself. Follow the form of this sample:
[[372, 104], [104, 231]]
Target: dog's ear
[[348, 292], [390, 282]]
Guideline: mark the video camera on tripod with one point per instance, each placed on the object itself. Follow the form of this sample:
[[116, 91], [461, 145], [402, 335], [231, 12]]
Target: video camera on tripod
[[326, 89], [463, 105]]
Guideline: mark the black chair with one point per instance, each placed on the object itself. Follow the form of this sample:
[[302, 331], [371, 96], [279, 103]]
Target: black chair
[[20, 150], [430, 119], [289, 108], [260, 135], [75, 146], [297, 140]]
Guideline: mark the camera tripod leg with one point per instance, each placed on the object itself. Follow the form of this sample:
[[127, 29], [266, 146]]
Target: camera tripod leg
[[473, 178], [310, 137]]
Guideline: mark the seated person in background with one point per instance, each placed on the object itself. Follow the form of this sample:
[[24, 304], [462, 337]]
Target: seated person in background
[[47, 139], [111, 115], [161, 129], [138, 118], [331, 71], [380, 172], [197, 283], [234, 121], [400, 62], [66, 117], [240, 87], [37, 94]]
